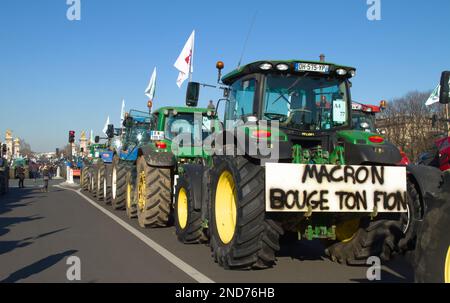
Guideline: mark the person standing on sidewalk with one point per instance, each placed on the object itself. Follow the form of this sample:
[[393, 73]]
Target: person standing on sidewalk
[[21, 176], [46, 175]]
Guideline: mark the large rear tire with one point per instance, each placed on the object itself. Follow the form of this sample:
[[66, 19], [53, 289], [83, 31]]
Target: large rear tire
[[188, 221], [154, 194], [242, 234], [118, 184], [131, 205], [432, 254]]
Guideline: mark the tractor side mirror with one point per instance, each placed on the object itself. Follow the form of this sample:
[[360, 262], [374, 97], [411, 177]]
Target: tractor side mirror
[[97, 139], [444, 97], [110, 131], [192, 94]]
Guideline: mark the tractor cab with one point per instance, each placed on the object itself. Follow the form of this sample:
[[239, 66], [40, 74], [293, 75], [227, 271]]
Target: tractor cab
[[303, 96], [183, 130], [364, 115]]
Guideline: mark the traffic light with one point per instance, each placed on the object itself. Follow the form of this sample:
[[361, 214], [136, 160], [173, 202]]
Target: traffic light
[[71, 136]]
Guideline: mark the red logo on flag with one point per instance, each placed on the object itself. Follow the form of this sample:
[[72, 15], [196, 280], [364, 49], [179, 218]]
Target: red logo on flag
[[188, 58]]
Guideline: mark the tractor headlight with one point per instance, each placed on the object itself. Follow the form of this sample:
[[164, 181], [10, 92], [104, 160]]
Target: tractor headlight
[[265, 66], [341, 72], [282, 67]]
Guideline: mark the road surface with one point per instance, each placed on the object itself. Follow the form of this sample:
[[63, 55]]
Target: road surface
[[40, 231]]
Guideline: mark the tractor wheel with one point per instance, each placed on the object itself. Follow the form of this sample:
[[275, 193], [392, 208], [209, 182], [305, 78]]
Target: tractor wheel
[[188, 221], [85, 178], [106, 190], [242, 234], [118, 184], [154, 194], [131, 205], [94, 182], [432, 254], [100, 182], [360, 239]]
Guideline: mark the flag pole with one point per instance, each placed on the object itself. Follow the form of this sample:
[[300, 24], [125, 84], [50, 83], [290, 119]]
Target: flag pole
[[192, 58]]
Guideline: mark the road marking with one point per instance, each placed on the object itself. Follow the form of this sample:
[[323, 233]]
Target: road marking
[[189, 270]]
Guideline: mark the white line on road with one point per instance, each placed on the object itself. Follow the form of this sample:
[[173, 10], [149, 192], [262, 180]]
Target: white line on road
[[189, 270]]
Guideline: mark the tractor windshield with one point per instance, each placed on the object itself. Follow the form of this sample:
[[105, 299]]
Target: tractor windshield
[[199, 126], [306, 103]]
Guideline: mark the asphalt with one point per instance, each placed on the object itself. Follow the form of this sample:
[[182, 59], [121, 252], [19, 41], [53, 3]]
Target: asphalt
[[40, 231]]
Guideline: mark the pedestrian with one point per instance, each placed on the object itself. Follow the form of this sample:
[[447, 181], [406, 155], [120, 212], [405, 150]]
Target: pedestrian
[[21, 175], [46, 175]]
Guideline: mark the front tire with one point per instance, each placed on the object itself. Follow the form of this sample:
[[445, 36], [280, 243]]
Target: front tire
[[131, 206], [382, 237], [118, 184], [154, 194], [85, 178], [188, 221], [100, 182], [242, 234]]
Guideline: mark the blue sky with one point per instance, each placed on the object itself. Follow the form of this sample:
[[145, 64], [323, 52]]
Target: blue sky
[[57, 75]]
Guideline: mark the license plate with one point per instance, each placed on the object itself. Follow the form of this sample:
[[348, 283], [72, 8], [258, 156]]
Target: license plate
[[331, 188], [311, 67], [156, 135]]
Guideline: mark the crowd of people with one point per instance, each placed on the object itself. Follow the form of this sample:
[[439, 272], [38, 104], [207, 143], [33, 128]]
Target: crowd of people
[[36, 171]]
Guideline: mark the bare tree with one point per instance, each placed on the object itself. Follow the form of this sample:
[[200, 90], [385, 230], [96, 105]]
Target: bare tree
[[408, 123], [25, 149]]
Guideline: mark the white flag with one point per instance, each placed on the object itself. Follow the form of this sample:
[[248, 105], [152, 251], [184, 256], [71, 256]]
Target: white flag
[[106, 126], [434, 98], [150, 90], [122, 111], [184, 62]]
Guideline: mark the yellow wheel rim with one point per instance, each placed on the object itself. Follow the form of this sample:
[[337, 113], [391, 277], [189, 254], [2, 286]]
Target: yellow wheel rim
[[225, 207], [129, 195], [346, 231], [141, 191], [182, 208], [447, 267]]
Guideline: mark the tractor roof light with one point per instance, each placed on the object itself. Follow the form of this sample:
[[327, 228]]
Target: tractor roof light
[[166, 112], [352, 73], [266, 66], [209, 113], [341, 72], [282, 67]]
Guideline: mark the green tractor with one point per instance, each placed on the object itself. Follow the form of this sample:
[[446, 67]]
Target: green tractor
[[288, 161], [177, 139]]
